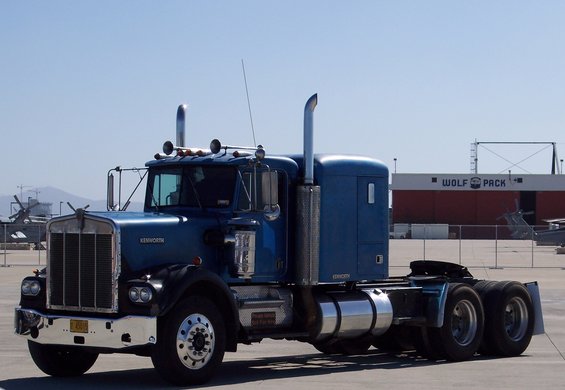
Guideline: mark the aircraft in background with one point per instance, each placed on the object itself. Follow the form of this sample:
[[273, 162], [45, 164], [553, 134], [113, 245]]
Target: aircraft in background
[[520, 229], [22, 227]]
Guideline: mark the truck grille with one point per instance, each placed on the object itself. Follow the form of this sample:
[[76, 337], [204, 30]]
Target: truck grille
[[81, 272]]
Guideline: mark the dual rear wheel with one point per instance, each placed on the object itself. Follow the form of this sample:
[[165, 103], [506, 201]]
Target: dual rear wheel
[[509, 318], [492, 318]]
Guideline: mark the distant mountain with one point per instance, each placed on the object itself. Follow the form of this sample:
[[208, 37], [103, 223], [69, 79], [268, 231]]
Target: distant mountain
[[58, 198]]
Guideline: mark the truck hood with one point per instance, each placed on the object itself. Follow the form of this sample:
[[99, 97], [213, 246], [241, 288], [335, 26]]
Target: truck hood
[[145, 240]]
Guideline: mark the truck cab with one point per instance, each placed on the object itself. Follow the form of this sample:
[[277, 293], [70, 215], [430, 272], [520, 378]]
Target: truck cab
[[235, 246]]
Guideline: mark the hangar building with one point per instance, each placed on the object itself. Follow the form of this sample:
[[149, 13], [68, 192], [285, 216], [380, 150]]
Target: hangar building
[[476, 199]]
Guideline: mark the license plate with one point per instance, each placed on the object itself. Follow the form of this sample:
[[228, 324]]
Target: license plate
[[79, 326]]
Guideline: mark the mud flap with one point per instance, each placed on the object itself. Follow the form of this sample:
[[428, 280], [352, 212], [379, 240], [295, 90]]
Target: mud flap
[[533, 289]]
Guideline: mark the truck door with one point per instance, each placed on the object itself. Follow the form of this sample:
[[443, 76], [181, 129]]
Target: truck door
[[272, 214], [372, 227]]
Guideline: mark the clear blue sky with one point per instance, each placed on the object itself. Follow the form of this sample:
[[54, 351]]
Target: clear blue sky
[[88, 85]]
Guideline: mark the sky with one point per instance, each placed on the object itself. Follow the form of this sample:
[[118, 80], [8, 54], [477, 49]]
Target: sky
[[89, 85]]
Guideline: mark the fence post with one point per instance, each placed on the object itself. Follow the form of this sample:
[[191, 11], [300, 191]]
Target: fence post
[[532, 247], [425, 235], [495, 246], [459, 244], [5, 238], [38, 245]]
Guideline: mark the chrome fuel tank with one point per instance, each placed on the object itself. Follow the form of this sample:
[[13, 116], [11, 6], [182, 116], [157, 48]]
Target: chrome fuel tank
[[351, 314]]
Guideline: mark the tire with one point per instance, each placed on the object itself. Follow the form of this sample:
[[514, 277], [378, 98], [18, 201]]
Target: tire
[[423, 344], [482, 288], [509, 319], [191, 342], [463, 325], [59, 360]]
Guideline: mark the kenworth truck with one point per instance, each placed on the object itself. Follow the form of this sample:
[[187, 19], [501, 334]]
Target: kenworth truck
[[235, 246]]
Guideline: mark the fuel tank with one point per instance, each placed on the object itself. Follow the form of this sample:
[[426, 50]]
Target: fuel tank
[[352, 314]]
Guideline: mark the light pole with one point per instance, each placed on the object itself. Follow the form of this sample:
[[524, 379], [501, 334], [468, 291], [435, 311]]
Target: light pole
[[60, 203], [561, 161], [395, 164]]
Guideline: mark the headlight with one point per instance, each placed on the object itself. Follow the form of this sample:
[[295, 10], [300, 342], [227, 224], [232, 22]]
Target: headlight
[[139, 294], [134, 294], [31, 287], [145, 294]]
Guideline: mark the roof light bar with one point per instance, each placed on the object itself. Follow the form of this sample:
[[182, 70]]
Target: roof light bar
[[169, 148], [216, 146]]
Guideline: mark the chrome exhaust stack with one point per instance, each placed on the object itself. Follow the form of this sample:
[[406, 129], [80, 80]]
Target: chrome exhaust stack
[[181, 124], [309, 139], [308, 208]]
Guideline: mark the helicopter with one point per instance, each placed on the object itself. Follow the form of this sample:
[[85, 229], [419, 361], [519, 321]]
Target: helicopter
[[22, 227]]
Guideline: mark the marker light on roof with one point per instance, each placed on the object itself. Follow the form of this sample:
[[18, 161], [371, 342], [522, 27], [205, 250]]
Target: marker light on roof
[[239, 153], [260, 153]]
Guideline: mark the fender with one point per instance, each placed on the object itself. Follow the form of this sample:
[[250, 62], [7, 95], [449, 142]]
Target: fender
[[174, 282], [439, 268]]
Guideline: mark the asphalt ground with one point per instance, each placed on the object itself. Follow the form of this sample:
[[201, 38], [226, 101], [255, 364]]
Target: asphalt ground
[[295, 365]]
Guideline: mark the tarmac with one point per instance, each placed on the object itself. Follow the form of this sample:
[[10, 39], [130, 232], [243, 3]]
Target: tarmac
[[290, 364]]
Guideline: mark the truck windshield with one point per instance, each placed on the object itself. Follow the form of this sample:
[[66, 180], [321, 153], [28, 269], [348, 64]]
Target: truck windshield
[[191, 186]]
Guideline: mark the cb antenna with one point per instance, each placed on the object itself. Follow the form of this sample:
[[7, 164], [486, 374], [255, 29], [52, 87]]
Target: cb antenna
[[248, 103]]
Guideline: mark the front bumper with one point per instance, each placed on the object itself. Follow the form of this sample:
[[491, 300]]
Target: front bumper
[[125, 332]]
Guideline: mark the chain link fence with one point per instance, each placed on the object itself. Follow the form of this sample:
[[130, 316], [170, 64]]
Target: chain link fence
[[22, 244], [471, 246], [494, 246]]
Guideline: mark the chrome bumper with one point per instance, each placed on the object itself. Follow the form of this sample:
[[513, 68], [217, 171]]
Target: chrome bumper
[[112, 333]]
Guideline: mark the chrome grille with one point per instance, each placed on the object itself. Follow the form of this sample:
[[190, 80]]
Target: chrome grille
[[81, 272]]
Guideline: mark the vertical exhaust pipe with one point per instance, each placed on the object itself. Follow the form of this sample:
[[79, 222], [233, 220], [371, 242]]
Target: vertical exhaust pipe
[[309, 139], [181, 124], [308, 208], [308, 225]]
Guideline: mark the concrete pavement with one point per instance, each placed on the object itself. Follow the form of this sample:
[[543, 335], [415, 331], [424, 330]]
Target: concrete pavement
[[295, 365]]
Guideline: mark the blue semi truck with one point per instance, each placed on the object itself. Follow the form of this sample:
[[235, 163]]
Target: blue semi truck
[[235, 246]]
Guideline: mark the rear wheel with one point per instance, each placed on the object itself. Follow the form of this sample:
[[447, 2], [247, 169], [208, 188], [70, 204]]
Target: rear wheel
[[423, 344], [191, 342], [463, 325], [509, 321], [482, 288], [59, 360]]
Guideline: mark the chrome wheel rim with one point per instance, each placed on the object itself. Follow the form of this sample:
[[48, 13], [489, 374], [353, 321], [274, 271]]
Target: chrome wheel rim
[[516, 318], [195, 341], [464, 322]]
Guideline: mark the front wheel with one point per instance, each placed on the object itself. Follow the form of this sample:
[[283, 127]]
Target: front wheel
[[190, 343], [59, 360]]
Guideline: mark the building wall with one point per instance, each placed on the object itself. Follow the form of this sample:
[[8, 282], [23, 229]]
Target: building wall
[[470, 207], [549, 205], [469, 199]]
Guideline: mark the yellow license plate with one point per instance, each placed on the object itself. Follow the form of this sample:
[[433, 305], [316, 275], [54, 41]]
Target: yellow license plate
[[79, 326]]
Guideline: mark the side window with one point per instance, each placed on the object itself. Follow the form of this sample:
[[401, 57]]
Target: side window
[[166, 189]]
